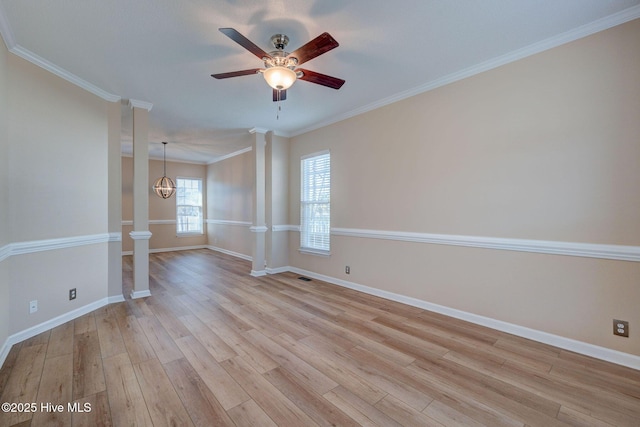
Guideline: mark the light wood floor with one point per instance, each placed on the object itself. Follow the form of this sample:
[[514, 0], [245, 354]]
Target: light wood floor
[[213, 346]]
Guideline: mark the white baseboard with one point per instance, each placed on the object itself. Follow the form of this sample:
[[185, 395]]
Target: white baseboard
[[598, 352], [258, 273], [140, 294], [277, 270], [228, 252], [49, 324], [602, 353], [116, 298]]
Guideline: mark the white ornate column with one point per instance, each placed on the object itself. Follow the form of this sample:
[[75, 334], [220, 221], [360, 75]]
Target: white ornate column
[[259, 227], [140, 233]]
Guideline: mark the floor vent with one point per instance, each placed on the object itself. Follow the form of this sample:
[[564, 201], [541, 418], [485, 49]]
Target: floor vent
[[306, 279]]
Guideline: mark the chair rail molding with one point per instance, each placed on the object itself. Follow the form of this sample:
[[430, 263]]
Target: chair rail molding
[[589, 250], [19, 248], [229, 222]]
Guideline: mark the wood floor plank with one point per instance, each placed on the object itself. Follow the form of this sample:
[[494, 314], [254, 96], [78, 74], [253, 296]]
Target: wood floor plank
[[55, 389], [362, 412], [258, 359], [578, 419], [314, 379], [202, 406], [86, 323], [96, 414], [165, 407], [88, 375], [486, 398], [224, 387], [165, 348], [111, 341], [170, 322], [251, 415], [272, 401], [340, 374], [214, 346], [449, 416], [128, 407], [404, 414], [24, 380], [41, 338], [384, 379], [315, 406], [8, 365], [135, 340], [61, 340]]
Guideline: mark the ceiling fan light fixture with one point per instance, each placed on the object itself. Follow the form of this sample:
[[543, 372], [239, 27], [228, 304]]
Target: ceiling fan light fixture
[[280, 78]]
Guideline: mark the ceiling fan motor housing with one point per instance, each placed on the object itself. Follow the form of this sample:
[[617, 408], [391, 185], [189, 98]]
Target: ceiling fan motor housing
[[279, 41]]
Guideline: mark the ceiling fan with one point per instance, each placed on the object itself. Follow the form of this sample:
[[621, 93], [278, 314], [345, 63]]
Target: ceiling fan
[[280, 67]]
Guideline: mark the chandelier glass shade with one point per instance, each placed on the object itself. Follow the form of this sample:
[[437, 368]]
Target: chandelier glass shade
[[164, 187], [279, 77]]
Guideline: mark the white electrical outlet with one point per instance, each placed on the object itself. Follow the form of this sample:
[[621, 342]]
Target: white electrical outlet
[[33, 306]]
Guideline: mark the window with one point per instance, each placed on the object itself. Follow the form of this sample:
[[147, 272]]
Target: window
[[315, 207], [189, 205]]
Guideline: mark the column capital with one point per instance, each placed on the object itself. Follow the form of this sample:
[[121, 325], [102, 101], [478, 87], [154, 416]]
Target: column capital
[[140, 235], [258, 130], [134, 103]]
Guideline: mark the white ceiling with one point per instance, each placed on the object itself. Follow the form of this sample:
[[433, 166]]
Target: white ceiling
[[164, 51]]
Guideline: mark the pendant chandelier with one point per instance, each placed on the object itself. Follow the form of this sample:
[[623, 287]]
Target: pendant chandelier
[[164, 187]]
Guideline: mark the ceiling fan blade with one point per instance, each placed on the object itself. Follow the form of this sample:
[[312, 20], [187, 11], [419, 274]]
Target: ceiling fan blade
[[236, 73], [316, 47], [321, 79], [244, 42], [279, 95]]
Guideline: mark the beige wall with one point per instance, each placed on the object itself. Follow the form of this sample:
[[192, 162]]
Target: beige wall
[[4, 197], [57, 175], [164, 235], [544, 148], [229, 195]]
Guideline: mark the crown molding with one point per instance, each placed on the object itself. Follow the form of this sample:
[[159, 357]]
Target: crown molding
[[134, 103], [5, 252], [258, 130], [5, 30], [16, 49], [60, 72], [601, 24], [230, 155]]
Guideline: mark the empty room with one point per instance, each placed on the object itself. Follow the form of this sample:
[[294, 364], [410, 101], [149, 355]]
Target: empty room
[[320, 213]]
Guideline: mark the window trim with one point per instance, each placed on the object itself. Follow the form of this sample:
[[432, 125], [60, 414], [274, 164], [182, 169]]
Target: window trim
[[306, 249], [202, 221]]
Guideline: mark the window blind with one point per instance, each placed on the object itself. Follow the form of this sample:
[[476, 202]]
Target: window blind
[[188, 206], [315, 208]]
